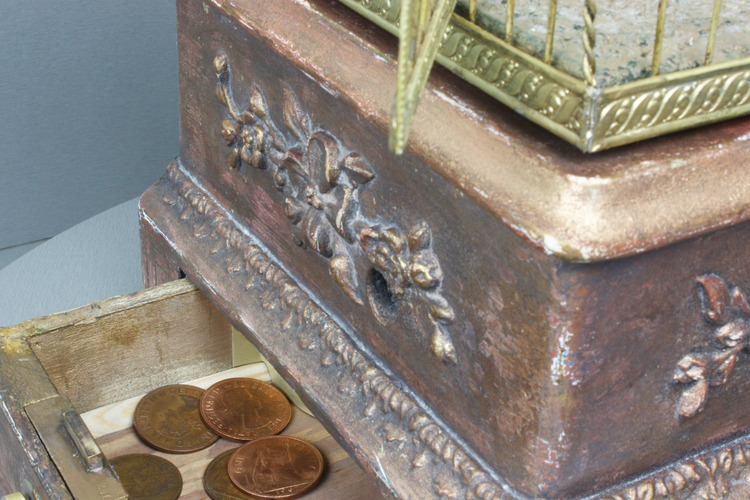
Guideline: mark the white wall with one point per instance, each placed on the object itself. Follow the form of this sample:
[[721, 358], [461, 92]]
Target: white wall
[[88, 110]]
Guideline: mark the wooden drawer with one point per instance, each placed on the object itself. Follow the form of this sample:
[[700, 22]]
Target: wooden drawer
[[97, 360]]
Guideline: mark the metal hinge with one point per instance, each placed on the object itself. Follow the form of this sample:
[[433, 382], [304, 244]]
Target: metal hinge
[[81, 463]]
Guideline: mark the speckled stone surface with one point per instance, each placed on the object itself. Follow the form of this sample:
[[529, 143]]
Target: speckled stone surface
[[625, 33]]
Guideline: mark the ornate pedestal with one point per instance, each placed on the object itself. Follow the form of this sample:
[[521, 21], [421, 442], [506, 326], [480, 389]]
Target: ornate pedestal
[[493, 314]]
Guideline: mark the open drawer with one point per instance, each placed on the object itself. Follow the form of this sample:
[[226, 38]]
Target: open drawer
[[94, 362]]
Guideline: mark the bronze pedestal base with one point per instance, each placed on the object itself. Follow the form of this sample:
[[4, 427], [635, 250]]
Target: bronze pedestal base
[[491, 315]]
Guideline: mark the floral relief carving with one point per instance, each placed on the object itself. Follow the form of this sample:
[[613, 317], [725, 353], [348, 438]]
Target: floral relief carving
[[727, 309], [720, 472], [409, 262], [410, 432], [321, 184]]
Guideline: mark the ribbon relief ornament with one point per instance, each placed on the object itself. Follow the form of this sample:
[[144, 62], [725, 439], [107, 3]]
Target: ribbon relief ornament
[[727, 309], [321, 184]]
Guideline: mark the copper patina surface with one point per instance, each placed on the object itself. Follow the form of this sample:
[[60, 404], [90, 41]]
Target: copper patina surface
[[244, 408], [493, 314], [168, 419], [276, 467], [216, 480], [148, 476]]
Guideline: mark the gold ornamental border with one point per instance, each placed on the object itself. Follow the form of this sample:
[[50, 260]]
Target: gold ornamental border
[[591, 118]]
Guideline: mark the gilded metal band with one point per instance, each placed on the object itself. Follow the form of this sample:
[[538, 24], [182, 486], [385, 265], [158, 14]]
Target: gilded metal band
[[667, 103], [592, 118]]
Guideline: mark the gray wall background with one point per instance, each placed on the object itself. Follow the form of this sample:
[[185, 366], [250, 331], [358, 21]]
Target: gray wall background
[[88, 110]]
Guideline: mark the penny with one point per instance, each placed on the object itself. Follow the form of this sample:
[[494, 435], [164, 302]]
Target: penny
[[216, 480], [275, 467], [168, 419], [245, 408], [148, 477]]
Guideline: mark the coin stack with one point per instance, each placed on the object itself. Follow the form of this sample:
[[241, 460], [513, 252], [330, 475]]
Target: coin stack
[[184, 419]]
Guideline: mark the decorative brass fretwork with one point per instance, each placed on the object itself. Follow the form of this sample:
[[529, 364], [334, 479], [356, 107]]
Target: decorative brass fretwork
[[593, 117], [520, 82], [321, 186], [638, 112], [726, 308]]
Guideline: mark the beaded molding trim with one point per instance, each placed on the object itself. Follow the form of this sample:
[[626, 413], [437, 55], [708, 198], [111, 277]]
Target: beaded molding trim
[[454, 473], [457, 474]]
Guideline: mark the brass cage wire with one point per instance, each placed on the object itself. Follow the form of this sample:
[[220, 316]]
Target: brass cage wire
[[592, 115], [589, 35]]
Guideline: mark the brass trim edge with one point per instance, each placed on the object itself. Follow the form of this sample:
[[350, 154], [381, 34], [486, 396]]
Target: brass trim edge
[[591, 118], [543, 94], [675, 101]]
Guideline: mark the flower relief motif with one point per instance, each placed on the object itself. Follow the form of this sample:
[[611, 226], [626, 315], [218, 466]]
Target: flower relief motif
[[246, 132], [321, 183], [410, 263], [728, 310], [322, 203]]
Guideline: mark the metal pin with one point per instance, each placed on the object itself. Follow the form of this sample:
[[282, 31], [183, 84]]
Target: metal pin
[[509, 8], [656, 61], [551, 18], [712, 32]]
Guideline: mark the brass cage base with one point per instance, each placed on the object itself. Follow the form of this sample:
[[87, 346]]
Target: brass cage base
[[591, 118]]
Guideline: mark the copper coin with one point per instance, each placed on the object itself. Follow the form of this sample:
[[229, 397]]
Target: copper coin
[[148, 477], [275, 467], [168, 419], [216, 480], [244, 408]]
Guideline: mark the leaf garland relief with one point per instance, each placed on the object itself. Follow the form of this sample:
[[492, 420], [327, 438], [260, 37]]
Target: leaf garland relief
[[321, 186], [727, 309]]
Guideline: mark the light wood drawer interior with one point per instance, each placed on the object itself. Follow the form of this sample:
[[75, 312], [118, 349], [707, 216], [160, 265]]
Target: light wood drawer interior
[[102, 358]]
